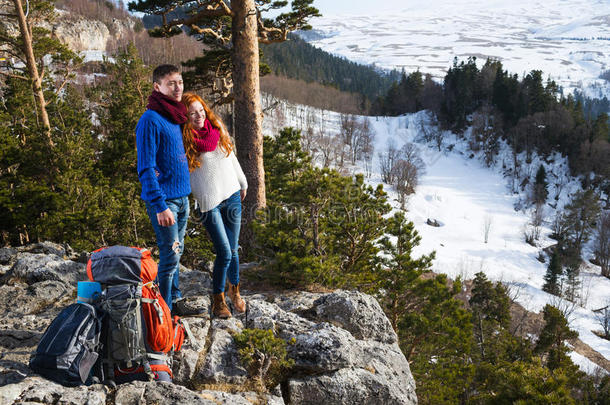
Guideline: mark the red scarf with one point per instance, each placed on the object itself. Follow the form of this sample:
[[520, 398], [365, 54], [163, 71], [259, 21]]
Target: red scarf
[[171, 109], [206, 138]]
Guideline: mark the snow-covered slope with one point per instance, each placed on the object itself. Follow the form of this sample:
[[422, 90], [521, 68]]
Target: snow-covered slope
[[461, 192], [567, 39]]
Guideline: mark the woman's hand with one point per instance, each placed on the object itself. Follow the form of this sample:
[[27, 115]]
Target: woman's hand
[[242, 193]]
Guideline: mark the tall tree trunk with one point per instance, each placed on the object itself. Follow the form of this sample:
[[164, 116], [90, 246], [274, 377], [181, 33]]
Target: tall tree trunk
[[247, 107], [33, 69]]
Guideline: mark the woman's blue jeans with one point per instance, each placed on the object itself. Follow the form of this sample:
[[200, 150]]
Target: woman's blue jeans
[[223, 223], [170, 240]]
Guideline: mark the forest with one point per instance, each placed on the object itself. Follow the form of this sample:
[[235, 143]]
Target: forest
[[72, 179]]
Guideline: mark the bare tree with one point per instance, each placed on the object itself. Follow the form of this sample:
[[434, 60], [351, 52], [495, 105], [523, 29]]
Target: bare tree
[[487, 223], [532, 232], [387, 161], [431, 132], [603, 317], [365, 147], [327, 146], [602, 243], [349, 134], [406, 171]]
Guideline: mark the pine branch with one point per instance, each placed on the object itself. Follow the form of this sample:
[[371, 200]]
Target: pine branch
[[216, 8], [210, 31], [14, 76]]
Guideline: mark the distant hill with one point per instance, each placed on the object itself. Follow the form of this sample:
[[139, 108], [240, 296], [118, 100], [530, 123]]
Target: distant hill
[[297, 59]]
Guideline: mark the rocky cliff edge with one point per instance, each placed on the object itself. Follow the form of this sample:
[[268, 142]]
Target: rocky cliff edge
[[343, 346]]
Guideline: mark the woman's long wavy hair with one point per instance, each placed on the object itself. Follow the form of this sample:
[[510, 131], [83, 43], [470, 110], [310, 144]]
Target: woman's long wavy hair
[[188, 132]]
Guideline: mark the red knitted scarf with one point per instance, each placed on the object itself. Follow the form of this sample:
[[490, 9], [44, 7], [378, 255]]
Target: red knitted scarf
[[171, 109], [206, 138]]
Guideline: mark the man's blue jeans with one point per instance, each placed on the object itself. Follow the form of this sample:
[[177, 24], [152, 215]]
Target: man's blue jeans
[[223, 223], [170, 240]]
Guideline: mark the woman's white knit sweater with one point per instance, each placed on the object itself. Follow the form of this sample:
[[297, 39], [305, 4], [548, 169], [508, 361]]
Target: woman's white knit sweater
[[217, 179]]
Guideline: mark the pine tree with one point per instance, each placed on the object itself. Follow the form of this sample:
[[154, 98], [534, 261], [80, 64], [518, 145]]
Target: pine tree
[[580, 219], [120, 98], [572, 281], [490, 308], [553, 274], [319, 227], [400, 272], [435, 333], [540, 186], [551, 342]]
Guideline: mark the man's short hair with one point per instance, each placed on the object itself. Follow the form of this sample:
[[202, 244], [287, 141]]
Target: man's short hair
[[163, 70]]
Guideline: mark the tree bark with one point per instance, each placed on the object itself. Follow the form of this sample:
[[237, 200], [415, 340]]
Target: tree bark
[[33, 69], [247, 107]]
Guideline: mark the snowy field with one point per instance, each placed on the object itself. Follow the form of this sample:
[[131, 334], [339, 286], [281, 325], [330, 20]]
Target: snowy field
[[461, 192], [566, 39]]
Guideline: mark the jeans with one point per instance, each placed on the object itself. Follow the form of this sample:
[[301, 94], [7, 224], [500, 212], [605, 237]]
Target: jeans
[[222, 223], [170, 240]]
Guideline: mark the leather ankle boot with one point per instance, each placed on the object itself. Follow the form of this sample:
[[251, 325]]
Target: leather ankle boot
[[219, 306], [238, 302]]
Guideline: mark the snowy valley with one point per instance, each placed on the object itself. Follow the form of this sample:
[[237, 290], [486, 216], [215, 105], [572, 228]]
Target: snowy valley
[[461, 193]]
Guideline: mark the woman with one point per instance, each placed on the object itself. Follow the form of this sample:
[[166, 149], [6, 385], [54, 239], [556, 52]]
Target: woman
[[219, 185]]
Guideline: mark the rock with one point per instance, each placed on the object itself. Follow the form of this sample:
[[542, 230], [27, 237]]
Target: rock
[[358, 313], [195, 283], [185, 361], [241, 398], [343, 347], [314, 347], [6, 254], [299, 302], [35, 267], [151, 392], [346, 386], [222, 364], [81, 34], [388, 362], [50, 290], [40, 390], [64, 250], [326, 348], [433, 223], [17, 301], [12, 372]]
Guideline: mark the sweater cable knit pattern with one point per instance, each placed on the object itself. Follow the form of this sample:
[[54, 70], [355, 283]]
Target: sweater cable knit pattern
[[162, 164], [217, 179]]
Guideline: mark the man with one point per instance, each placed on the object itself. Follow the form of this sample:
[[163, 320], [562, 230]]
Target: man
[[164, 175]]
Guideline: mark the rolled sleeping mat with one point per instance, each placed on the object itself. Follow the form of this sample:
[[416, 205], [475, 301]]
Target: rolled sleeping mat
[[88, 292]]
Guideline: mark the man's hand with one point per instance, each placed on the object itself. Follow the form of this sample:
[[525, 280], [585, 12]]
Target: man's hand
[[242, 193], [166, 218]]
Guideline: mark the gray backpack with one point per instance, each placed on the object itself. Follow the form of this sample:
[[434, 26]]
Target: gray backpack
[[126, 355]]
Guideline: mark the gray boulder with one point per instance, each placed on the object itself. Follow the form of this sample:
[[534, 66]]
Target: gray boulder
[[34, 267], [186, 360], [346, 386], [222, 364], [241, 398], [140, 392], [40, 390], [358, 313]]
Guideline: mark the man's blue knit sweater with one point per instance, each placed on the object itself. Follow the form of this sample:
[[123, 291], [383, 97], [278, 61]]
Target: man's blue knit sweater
[[162, 164]]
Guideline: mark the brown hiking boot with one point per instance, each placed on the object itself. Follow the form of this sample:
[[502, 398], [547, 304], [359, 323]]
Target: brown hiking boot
[[219, 306], [238, 302]]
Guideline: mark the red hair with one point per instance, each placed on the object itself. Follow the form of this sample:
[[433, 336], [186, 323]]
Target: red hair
[[188, 132]]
